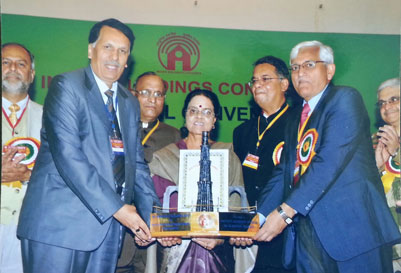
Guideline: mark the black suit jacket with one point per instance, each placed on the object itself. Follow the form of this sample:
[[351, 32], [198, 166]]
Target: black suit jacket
[[245, 137]]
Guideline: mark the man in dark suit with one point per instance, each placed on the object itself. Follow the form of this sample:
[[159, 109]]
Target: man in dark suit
[[150, 91], [333, 195], [258, 143], [90, 165]]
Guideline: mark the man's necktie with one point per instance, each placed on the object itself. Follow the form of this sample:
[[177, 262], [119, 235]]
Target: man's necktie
[[304, 117], [304, 114], [14, 108], [118, 161]]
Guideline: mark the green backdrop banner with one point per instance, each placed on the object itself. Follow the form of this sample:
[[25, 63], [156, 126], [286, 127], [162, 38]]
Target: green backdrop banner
[[216, 59]]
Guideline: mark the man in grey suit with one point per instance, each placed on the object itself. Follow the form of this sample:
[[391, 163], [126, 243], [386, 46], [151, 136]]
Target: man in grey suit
[[90, 166]]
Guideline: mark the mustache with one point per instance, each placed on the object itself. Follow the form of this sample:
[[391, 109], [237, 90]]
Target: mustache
[[12, 74], [115, 63], [390, 111]]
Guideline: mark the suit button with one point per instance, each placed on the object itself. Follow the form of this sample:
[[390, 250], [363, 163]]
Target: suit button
[[257, 188], [306, 208]]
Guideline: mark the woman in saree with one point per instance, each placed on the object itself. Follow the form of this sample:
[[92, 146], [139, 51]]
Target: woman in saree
[[200, 111]]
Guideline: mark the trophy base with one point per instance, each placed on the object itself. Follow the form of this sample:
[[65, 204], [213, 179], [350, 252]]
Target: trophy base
[[204, 224]]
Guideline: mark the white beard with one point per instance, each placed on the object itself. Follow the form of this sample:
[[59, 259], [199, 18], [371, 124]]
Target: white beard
[[15, 88]]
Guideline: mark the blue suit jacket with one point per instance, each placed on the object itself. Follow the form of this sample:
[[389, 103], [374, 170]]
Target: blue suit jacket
[[71, 197], [341, 190]]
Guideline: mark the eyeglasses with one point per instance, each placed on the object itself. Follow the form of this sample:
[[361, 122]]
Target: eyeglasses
[[390, 101], [264, 80], [148, 93], [206, 112], [308, 65]]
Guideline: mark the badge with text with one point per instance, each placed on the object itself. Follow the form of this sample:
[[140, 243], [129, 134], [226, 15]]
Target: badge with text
[[117, 146], [251, 161], [277, 153], [28, 146], [306, 149]]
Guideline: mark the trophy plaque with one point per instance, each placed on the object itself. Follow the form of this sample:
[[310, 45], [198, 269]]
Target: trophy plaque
[[205, 212]]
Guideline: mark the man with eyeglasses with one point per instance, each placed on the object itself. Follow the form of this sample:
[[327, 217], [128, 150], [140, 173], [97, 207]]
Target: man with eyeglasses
[[150, 90], [258, 143], [386, 143], [334, 204]]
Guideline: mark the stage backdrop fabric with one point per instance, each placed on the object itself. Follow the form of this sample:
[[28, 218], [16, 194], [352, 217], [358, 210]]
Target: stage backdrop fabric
[[216, 59]]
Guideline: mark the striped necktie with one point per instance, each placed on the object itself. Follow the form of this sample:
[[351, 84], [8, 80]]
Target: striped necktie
[[118, 160]]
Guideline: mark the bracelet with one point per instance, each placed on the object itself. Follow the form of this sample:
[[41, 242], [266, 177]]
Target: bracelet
[[284, 215]]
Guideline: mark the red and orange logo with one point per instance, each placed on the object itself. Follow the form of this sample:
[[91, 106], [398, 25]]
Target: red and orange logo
[[178, 52]]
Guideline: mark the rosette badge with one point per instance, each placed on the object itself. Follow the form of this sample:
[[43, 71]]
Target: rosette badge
[[306, 149], [25, 145]]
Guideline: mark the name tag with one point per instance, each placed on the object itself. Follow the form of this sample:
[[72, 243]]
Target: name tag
[[251, 161], [117, 146]]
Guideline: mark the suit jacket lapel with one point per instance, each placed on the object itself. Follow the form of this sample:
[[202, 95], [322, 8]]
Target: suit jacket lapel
[[95, 100], [125, 121], [293, 141], [123, 111], [319, 107]]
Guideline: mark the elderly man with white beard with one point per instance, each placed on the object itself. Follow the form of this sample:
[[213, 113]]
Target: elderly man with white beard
[[21, 124]]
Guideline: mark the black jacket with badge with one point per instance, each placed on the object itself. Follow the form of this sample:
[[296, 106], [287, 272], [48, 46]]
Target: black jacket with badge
[[245, 137]]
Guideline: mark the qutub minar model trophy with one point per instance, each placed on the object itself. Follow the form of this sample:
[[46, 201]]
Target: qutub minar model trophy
[[204, 222], [205, 197]]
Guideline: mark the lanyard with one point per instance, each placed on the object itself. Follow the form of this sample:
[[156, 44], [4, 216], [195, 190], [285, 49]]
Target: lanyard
[[150, 133], [8, 119], [260, 136]]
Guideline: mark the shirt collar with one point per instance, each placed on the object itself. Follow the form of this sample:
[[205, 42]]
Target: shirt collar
[[314, 100], [22, 104], [103, 87], [275, 113], [149, 125]]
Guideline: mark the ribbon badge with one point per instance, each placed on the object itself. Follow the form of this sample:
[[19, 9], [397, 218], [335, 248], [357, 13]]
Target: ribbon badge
[[306, 149], [391, 171], [277, 153], [25, 145], [393, 167]]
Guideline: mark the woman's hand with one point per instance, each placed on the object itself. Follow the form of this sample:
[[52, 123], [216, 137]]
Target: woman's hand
[[389, 137], [381, 155]]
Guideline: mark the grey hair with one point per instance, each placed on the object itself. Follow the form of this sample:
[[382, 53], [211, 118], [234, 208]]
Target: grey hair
[[325, 52], [31, 56], [394, 82]]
